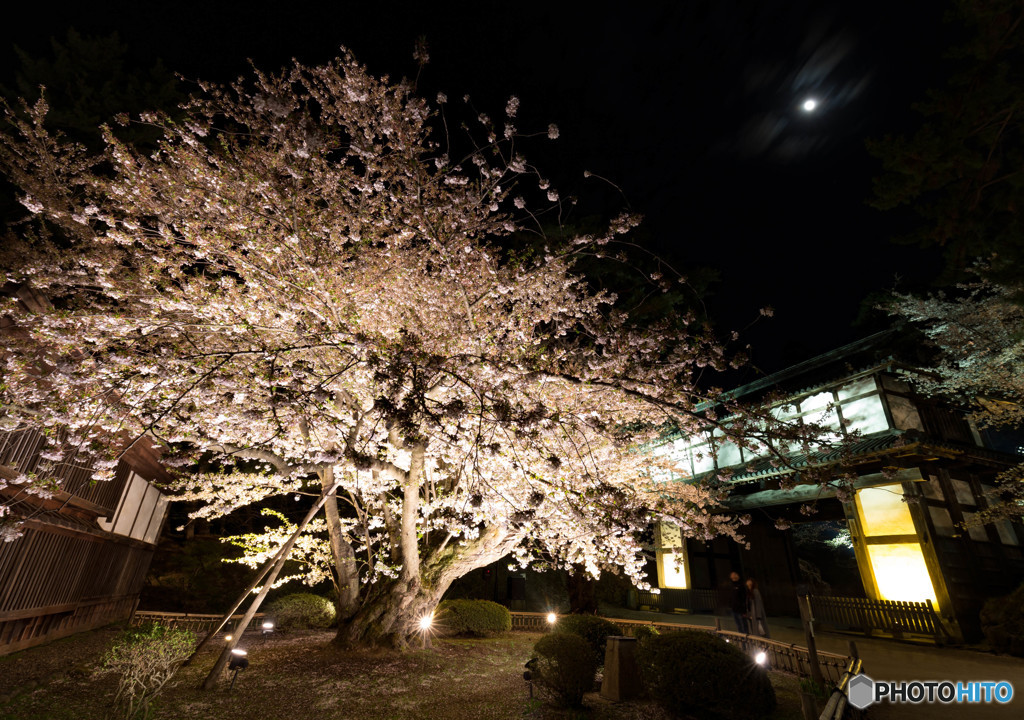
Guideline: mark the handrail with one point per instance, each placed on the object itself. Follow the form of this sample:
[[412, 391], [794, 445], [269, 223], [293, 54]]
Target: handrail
[[192, 621], [787, 657]]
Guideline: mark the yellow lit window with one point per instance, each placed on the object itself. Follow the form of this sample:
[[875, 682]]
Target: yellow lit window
[[883, 511], [673, 570], [901, 573]]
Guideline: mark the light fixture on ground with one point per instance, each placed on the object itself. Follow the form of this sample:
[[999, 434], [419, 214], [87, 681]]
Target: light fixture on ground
[[425, 622], [552, 618], [239, 661], [268, 627], [761, 658]]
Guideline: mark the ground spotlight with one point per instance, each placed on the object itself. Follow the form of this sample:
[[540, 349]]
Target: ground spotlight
[[425, 622], [761, 658], [268, 627], [239, 661], [552, 618]]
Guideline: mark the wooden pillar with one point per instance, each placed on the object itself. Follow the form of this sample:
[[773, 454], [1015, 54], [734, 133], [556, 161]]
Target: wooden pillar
[[621, 675]]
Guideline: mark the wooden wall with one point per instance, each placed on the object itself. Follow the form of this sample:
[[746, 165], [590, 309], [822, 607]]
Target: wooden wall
[[55, 581], [978, 562], [65, 574]]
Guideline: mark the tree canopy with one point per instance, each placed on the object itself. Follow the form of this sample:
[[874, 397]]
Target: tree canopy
[[310, 283]]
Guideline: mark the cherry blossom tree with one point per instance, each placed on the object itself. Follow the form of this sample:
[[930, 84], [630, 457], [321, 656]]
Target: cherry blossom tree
[[978, 331], [311, 286]]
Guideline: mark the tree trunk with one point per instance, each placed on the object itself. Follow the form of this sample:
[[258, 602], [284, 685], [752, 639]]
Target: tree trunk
[[390, 615], [346, 569]]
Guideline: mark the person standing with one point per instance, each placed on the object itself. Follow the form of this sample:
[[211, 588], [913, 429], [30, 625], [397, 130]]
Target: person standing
[[756, 617], [739, 602]]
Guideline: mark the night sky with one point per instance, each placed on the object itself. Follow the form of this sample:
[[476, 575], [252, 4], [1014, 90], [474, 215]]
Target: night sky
[[692, 108]]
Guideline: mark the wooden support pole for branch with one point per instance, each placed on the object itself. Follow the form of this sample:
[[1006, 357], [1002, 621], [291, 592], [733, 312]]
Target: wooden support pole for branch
[[812, 649], [275, 567], [237, 604]]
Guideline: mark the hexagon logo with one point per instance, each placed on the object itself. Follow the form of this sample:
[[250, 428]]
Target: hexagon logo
[[861, 691]]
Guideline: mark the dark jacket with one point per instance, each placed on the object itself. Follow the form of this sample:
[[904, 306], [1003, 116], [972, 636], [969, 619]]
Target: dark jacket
[[739, 597]]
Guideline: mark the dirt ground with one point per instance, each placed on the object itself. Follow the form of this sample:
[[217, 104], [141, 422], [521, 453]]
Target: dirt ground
[[304, 675]]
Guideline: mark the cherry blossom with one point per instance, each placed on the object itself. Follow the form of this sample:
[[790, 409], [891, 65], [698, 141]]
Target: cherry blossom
[[312, 288]]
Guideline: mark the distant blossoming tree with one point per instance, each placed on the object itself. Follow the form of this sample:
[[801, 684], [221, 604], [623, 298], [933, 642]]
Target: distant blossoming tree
[[979, 333], [306, 285]]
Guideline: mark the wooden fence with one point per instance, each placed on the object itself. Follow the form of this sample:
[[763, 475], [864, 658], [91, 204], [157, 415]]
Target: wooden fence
[[782, 656], [199, 623], [896, 617], [694, 600]]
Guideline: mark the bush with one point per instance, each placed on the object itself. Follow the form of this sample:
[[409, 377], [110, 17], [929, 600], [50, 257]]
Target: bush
[[1002, 621], [563, 664], [593, 629], [302, 611], [145, 658], [642, 632], [481, 618], [697, 674]]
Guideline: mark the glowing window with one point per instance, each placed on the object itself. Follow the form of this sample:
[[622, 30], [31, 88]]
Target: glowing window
[[671, 557], [901, 573], [883, 511], [866, 415], [673, 570]]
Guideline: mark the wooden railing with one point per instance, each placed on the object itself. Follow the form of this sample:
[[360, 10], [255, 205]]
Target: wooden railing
[[196, 622], [779, 655], [896, 617]]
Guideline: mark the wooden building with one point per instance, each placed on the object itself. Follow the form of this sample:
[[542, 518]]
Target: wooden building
[[86, 546], [923, 473], [83, 557]]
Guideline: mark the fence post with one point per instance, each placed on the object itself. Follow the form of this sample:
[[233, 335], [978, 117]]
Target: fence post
[[804, 602]]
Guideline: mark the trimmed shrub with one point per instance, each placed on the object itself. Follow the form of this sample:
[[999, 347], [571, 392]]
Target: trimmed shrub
[[302, 611], [642, 632], [595, 630], [481, 618], [1002, 621], [145, 659], [563, 665], [697, 674]]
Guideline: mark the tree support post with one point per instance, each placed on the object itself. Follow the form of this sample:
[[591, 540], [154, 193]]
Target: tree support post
[[237, 604], [812, 649], [277, 564]]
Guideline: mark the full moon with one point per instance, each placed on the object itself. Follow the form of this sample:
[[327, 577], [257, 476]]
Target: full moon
[[809, 105]]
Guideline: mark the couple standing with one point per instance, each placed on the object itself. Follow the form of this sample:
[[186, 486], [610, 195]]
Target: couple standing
[[747, 607]]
